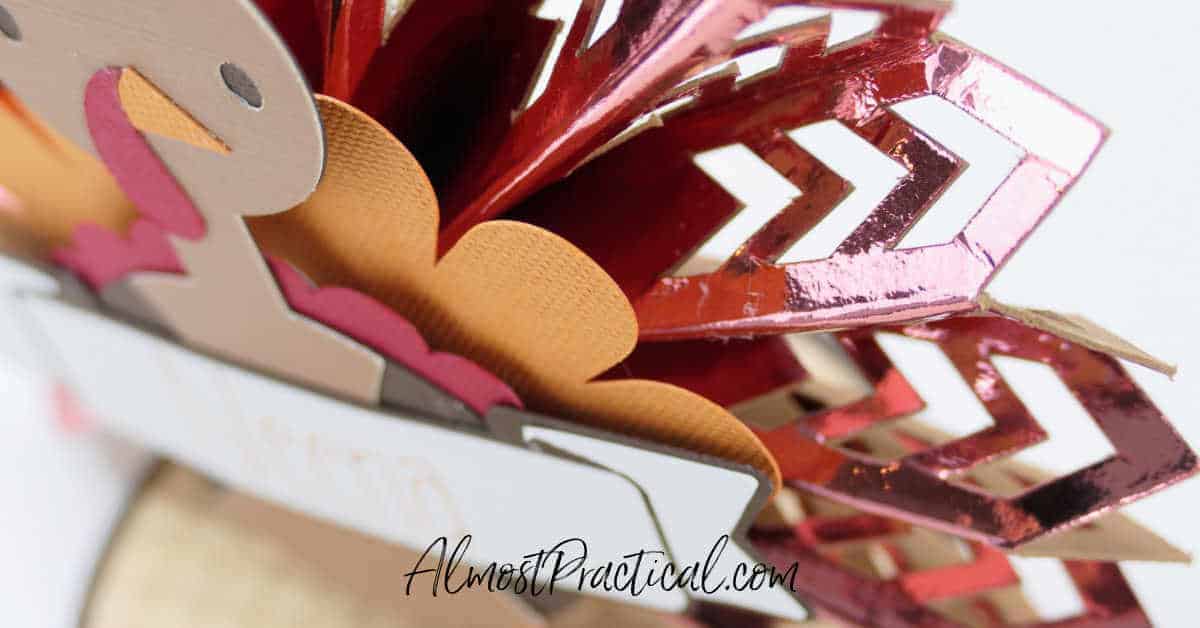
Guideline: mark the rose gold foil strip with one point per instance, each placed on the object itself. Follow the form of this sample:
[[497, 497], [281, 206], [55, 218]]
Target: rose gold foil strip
[[15, 108], [973, 582], [650, 187], [1150, 455], [904, 600], [922, 579]]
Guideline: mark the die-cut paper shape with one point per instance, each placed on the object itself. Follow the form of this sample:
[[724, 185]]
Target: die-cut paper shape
[[1150, 455], [104, 258], [274, 159], [673, 207], [59, 184], [521, 302]]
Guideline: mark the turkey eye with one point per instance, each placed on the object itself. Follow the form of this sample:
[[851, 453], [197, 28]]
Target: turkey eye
[[241, 85], [8, 25]]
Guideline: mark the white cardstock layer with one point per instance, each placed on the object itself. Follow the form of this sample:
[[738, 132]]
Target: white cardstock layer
[[695, 504], [401, 478], [19, 341], [64, 494]]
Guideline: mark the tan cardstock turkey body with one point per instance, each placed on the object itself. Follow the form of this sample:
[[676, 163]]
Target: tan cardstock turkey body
[[521, 302], [228, 302]]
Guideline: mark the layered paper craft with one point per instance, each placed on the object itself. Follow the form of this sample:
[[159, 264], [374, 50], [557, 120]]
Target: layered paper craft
[[933, 577], [1150, 455], [906, 586], [51, 184], [867, 280], [522, 302], [410, 478], [294, 569], [826, 382], [419, 269]]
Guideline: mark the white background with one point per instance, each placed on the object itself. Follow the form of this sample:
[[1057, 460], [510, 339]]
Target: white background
[[1122, 248]]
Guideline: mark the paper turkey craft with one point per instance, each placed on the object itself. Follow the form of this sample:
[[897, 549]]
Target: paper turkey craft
[[317, 299]]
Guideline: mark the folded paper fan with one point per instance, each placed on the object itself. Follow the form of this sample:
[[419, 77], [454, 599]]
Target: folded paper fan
[[526, 304], [1149, 454], [401, 265], [932, 575], [675, 207]]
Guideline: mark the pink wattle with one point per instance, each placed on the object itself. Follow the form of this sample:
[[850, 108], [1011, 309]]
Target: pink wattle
[[100, 257], [143, 177], [381, 328]]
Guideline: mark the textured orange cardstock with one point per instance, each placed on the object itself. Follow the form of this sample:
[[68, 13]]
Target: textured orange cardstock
[[522, 302]]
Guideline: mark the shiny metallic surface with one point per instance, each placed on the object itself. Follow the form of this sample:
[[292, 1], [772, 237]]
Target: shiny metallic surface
[[919, 582], [901, 602], [595, 91], [922, 487], [592, 94], [452, 81], [650, 186]]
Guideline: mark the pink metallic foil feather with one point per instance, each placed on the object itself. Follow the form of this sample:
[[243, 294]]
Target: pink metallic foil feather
[[920, 487], [100, 257], [650, 187], [595, 91], [833, 589]]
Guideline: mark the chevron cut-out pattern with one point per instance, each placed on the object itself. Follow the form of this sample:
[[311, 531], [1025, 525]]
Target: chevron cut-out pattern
[[923, 577], [875, 571], [605, 79], [870, 569], [650, 186], [920, 486], [603, 136]]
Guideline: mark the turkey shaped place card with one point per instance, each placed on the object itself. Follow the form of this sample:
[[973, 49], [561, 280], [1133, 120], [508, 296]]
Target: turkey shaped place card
[[160, 140], [322, 298]]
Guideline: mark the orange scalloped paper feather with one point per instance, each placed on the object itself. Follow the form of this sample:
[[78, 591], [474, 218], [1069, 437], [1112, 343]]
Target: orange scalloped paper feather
[[59, 184], [520, 301]]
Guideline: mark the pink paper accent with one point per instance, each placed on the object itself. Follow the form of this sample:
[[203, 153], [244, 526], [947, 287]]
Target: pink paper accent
[[100, 257], [9, 202], [69, 414], [140, 173], [379, 327]]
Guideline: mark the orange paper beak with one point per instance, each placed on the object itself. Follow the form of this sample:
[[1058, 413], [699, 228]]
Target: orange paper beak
[[152, 111]]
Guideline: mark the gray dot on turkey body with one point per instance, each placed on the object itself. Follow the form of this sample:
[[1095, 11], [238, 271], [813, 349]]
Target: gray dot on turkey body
[[8, 25], [241, 85]]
